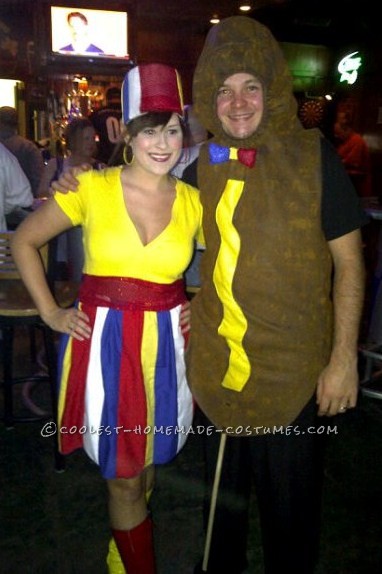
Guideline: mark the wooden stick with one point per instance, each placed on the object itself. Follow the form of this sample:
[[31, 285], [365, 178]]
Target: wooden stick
[[214, 496]]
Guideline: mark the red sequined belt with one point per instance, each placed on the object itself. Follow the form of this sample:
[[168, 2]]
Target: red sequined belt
[[128, 293]]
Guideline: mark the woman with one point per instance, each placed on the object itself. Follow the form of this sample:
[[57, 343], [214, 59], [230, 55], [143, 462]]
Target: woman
[[81, 147], [122, 359]]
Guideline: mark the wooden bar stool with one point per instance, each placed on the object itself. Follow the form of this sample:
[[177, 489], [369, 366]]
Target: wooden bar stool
[[17, 310]]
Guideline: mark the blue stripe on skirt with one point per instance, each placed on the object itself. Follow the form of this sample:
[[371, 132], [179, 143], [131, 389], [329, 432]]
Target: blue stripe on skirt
[[111, 348], [166, 404]]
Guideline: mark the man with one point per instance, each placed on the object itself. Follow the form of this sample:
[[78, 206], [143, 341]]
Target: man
[[26, 152], [354, 154], [78, 24], [275, 324], [15, 191], [273, 338], [107, 123]]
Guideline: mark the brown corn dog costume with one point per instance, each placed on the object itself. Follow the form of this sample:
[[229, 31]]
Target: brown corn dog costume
[[265, 286]]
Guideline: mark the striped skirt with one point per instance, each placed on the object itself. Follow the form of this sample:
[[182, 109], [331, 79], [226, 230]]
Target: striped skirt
[[123, 393]]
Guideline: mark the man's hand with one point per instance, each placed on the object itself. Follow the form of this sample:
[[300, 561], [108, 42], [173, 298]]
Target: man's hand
[[68, 180], [337, 388]]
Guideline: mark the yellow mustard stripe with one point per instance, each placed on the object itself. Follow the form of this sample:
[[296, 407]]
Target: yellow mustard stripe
[[233, 153], [234, 323], [67, 360], [148, 361]]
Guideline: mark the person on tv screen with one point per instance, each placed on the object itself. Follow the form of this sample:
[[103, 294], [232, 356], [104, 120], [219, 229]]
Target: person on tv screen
[[78, 25]]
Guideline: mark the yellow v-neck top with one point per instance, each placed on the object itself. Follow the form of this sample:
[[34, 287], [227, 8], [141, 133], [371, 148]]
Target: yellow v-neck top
[[112, 244]]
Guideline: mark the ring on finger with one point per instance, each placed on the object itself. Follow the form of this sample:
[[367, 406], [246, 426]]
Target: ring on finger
[[343, 409]]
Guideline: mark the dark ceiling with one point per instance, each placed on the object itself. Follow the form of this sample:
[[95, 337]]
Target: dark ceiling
[[328, 22]]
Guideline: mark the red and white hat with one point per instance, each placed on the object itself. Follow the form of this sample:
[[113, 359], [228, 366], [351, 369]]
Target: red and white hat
[[151, 88]]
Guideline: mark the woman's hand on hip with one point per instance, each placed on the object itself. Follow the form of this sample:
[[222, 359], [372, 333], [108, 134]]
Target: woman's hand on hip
[[71, 321]]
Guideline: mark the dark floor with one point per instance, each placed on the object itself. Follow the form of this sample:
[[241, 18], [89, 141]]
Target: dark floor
[[54, 523]]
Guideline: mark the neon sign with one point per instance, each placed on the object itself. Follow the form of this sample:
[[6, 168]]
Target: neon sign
[[348, 68]]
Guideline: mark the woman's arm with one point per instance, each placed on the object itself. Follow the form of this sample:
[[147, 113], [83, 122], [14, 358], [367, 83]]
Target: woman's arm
[[36, 230]]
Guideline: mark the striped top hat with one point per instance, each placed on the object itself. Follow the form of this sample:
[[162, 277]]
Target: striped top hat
[[151, 88]]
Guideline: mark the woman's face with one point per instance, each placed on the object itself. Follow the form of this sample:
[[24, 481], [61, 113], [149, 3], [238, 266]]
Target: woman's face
[[85, 143], [157, 149]]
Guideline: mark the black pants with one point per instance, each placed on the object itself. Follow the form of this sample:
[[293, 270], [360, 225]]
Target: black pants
[[287, 471]]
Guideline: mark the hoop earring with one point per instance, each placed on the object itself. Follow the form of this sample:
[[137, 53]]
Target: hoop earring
[[128, 151]]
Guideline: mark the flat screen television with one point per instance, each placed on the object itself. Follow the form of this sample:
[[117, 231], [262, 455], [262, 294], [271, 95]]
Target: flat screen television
[[82, 32]]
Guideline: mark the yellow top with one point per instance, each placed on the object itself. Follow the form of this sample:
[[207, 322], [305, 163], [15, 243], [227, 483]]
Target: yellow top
[[111, 242]]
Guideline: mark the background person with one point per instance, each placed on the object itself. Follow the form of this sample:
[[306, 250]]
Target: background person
[[107, 123], [15, 191], [354, 153], [81, 147], [122, 356], [26, 151], [196, 136]]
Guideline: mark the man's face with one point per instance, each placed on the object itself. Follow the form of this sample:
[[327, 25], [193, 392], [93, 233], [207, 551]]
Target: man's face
[[78, 29], [240, 105]]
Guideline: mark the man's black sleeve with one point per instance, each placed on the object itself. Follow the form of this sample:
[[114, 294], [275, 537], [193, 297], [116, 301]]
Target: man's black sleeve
[[190, 173], [341, 209]]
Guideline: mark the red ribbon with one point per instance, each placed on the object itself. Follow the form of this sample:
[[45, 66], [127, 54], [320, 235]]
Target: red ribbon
[[247, 156]]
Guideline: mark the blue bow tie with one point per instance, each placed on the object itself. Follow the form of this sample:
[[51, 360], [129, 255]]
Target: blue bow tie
[[220, 154]]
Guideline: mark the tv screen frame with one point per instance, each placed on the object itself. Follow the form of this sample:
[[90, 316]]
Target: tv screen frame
[[107, 33]]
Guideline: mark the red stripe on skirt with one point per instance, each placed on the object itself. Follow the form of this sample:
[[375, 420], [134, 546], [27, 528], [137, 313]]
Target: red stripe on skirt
[[73, 415], [132, 408]]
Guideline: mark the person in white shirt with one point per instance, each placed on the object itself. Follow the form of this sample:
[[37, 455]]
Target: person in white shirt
[[196, 136], [15, 189]]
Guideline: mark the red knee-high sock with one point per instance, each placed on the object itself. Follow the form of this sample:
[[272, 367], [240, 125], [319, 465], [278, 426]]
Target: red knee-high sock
[[136, 548]]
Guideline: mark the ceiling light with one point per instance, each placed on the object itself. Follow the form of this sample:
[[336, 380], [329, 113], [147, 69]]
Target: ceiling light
[[245, 6]]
